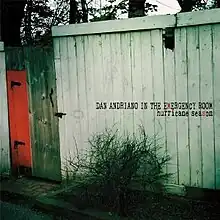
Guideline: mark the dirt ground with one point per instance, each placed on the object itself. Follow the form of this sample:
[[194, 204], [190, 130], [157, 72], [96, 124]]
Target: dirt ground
[[153, 206]]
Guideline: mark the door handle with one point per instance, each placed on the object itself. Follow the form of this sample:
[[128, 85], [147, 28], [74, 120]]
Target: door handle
[[14, 83], [17, 143], [59, 114]]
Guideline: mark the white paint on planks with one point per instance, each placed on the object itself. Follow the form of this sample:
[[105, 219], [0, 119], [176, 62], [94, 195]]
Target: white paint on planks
[[193, 71], [181, 96], [206, 95], [216, 99], [170, 122], [135, 66]]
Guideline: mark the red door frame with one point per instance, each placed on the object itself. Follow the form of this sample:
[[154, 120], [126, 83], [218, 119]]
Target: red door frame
[[21, 157]]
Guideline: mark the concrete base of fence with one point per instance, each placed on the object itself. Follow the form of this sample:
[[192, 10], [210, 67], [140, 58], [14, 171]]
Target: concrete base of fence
[[41, 195], [48, 202], [170, 189], [209, 195], [4, 176], [56, 207], [1, 46], [174, 189], [66, 209]]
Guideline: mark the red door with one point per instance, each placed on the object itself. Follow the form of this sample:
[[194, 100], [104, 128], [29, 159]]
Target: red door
[[19, 122]]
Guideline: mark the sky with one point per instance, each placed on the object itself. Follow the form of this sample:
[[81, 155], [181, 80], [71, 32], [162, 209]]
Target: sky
[[166, 6], [169, 6]]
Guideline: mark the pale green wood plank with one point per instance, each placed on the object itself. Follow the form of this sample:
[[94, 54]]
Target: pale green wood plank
[[193, 96], [98, 80], [171, 133], [127, 80], [117, 83], [206, 92], [90, 85], [136, 78], [216, 97], [181, 96], [81, 85], [4, 129], [147, 81]]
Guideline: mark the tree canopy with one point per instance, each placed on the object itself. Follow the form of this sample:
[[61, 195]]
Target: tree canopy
[[31, 20]]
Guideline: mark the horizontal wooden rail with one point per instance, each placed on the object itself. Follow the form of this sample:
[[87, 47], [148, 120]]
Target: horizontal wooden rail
[[141, 23]]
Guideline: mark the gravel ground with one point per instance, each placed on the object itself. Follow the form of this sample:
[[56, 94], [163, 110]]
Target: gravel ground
[[10, 211]]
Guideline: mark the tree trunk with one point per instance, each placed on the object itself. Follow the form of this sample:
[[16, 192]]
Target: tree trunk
[[136, 8], [73, 12], [28, 36], [12, 14], [84, 11]]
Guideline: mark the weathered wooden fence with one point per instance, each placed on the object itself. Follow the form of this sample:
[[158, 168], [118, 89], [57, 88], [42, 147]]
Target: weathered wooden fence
[[4, 131], [39, 64], [126, 61]]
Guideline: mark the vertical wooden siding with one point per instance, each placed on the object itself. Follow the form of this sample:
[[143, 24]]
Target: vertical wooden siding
[[135, 66], [39, 63], [4, 131], [105, 68], [196, 75]]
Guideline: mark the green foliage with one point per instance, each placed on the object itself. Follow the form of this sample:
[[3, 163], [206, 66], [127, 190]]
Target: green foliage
[[39, 17], [195, 5], [114, 163]]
